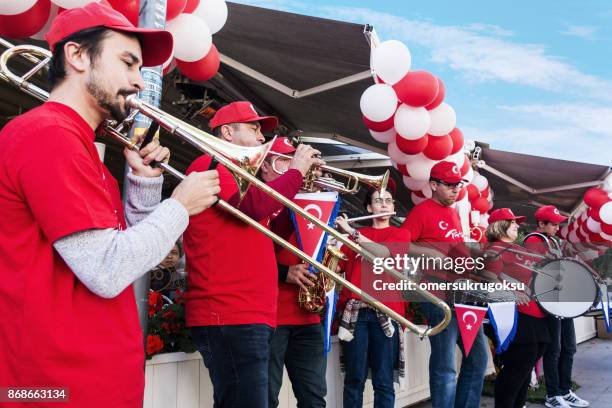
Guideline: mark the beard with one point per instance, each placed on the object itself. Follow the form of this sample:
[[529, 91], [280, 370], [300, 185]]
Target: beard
[[105, 100]]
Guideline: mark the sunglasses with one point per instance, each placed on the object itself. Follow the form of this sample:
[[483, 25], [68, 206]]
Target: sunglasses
[[450, 185]]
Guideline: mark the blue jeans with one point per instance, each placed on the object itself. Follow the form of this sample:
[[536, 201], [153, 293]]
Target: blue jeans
[[370, 347], [237, 360], [300, 349], [559, 357], [445, 392]]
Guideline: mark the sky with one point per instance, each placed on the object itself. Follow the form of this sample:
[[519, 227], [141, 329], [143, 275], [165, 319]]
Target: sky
[[531, 77]]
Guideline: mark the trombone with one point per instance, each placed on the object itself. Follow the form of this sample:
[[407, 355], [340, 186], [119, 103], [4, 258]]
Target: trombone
[[211, 146]]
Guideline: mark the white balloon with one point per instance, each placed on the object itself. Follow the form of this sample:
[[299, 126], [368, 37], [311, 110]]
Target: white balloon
[[192, 38], [427, 191], [484, 220], [443, 120], [464, 206], [396, 154], [52, 14], [605, 236], [213, 12], [391, 61], [378, 102], [480, 182], [387, 136], [572, 236], [416, 199], [605, 213], [415, 184], [12, 7], [469, 176], [457, 158], [68, 4], [419, 166], [411, 123]]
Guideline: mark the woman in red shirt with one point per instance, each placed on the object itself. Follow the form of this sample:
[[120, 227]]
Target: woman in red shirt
[[511, 262], [370, 339]]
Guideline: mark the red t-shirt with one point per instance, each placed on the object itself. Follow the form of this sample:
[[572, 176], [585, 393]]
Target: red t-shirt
[[289, 311], [536, 244], [399, 241], [233, 276], [512, 264], [55, 332]]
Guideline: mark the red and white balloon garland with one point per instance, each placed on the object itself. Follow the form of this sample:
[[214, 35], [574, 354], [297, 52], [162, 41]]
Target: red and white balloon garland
[[191, 22], [595, 224]]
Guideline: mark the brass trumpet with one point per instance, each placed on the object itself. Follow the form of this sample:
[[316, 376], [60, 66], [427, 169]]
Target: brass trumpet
[[351, 186], [212, 146]]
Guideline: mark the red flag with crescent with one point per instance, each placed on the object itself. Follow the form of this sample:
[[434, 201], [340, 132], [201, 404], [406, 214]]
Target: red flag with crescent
[[322, 206], [469, 320]]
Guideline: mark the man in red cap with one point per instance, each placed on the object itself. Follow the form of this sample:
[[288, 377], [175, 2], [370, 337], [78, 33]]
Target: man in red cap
[[233, 278], [559, 356], [68, 309], [436, 224], [297, 342]]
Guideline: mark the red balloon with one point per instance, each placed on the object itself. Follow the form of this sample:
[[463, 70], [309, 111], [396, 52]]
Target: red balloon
[[418, 194], [26, 24], [174, 8], [129, 8], [201, 70], [466, 166], [379, 126], [439, 97], [481, 204], [457, 137], [439, 147], [417, 88], [191, 5], [461, 194], [403, 169], [472, 192], [594, 214], [485, 193], [411, 146], [606, 228], [170, 67], [595, 197], [596, 238]]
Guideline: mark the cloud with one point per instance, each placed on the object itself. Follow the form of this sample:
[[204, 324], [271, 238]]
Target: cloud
[[585, 32]]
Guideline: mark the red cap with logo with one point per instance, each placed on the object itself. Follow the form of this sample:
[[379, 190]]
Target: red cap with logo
[[282, 145], [156, 44], [447, 172], [505, 214], [242, 112], [549, 213]]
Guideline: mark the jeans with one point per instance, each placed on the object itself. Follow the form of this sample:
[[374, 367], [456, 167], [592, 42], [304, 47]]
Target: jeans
[[445, 393], [300, 349], [370, 347], [559, 356], [237, 360]]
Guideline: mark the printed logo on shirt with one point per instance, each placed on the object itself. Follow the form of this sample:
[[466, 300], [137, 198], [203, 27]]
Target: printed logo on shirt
[[443, 225]]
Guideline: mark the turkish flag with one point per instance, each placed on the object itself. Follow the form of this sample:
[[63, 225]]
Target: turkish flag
[[469, 320], [323, 206]]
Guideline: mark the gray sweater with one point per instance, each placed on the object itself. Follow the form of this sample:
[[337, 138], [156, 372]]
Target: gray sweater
[[107, 260]]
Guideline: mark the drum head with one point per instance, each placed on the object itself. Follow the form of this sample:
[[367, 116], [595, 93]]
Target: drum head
[[564, 288]]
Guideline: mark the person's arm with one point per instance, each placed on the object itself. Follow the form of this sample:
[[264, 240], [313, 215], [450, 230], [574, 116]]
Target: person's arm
[[143, 195], [107, 261]]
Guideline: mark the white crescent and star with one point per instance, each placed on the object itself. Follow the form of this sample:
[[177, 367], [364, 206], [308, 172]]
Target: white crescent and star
[[472, 314], [318, 213], [443, 225]]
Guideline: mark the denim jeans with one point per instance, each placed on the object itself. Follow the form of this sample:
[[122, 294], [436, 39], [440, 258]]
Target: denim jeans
[[370, 348], [237, 360], [445, 392], [300, 349], [559, 356]]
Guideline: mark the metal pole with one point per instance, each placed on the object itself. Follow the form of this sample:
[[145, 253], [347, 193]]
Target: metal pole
[[152, 14]]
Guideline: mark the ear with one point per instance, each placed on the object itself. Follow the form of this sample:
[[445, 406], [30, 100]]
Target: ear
[[75, 57], [433, 185], [369, 208], [226, 133]]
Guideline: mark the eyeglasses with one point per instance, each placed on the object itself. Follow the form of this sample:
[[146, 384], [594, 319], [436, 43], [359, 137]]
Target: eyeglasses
[[450, 185], [379, 201]]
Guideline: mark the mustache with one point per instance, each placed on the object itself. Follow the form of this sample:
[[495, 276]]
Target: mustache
[[127, 92]]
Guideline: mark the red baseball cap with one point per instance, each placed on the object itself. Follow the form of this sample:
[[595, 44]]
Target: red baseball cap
[[505, 214], [447, 172], [242, 112], [282, 145], [549, 213], [156, 44]]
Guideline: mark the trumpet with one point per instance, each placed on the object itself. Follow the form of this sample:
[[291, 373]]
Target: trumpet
[[351, 186], [212, 146]]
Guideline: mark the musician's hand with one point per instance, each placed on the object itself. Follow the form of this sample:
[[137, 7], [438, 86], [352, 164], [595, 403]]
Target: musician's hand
[[522, 298], [343, 225], [299, 275], [140, 161], [198, 191], [304, 158]]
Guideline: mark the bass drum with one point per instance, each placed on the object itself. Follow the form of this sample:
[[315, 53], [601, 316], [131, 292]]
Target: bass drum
[[564, 288]]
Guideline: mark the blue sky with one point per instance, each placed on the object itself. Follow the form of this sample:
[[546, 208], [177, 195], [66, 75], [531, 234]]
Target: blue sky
[[531, 77]]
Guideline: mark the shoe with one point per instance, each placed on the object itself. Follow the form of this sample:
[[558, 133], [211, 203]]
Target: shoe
[[556, 402], [575, 401]]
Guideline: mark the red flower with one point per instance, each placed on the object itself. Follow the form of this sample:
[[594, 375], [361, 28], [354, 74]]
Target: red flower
[[155, 303], [179, 297], [154, 344], [169, 314]]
